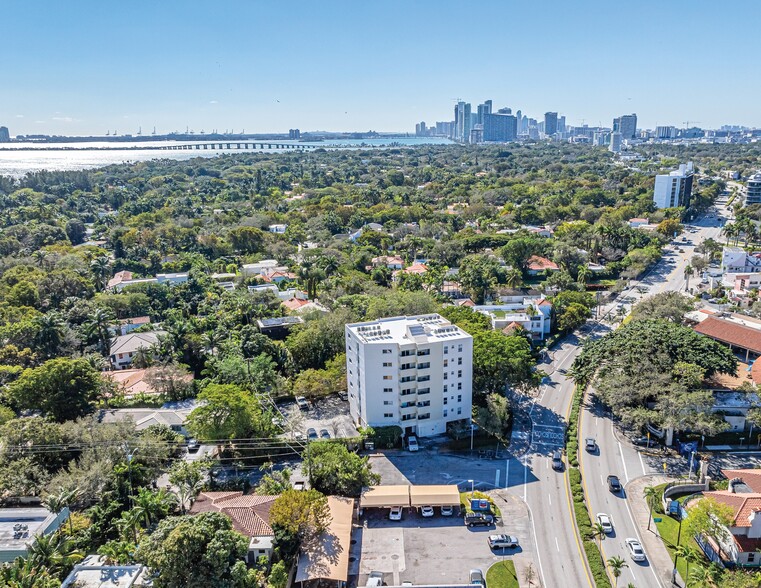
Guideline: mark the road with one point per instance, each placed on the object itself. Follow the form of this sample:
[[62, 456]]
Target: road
[[616, 454], [544, 490]]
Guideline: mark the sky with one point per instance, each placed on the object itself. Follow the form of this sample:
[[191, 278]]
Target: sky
[[89, 66]]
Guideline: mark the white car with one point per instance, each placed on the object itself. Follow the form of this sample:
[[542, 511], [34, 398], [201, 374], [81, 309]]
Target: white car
[[447, 511], [635, 549], [395, 514], [302, 403], [426, 511], [412, 443], [605, 522], [502, 541], [375, 579]]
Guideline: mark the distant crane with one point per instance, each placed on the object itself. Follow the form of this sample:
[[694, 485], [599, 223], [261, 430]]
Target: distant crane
[[139, 131], [108, 133], [686, 123], [154, 131]]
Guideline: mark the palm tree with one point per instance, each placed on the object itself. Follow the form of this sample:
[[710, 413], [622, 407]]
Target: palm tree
[[584, 273], [616, 565], [651, 496], [687, 274], [98, 326], [329, 264], [129, 523], [211, 341], [699, 578], [55, 552], [598, 532], [100, 267], [513, 278], [688, 554], [23, 573], [39, 257], [64, 498], [51, 332], [152, 506]]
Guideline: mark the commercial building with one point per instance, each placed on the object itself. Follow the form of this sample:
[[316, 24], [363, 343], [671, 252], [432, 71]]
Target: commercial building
[[5, 136], [483, 110], [534, 315], [615, 142], [675, 188], [500, 128], [665, 132], [414, 372], [735, 260], [294, 134], [626, 125], [752, 190], [550, 123], [94, 572]]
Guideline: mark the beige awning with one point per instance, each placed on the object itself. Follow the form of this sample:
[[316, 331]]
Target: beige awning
[[327, 558], [385, 496], [441, 495]]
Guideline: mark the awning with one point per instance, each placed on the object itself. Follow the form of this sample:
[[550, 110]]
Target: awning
[[327, 558], [440, 495], [385, 496]]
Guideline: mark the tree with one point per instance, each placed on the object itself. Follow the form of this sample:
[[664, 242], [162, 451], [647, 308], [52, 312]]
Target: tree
[[171, 381], [303, 514], [687, 553], [652, 496], [333, 469], [479, 275], [98, 326], [598, 532], [152, 505], [246, 239], [188, 477], [669, 227], [207, 540], [278, 577], [64, 498], [51, 333], [573, 316], [670, 305], [499, 360], [495, 417], [54, 552], [710, 518], [227, 411], [24, 573], [616, 565], [62, 388], [274, 482]]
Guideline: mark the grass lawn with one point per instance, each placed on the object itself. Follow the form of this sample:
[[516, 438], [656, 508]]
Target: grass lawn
[[502, 575], [465, 502], [669, 530]]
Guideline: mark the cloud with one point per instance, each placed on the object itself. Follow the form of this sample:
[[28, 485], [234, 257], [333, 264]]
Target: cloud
[[19, 116], [213, 101], [66, 119], [40, 122]]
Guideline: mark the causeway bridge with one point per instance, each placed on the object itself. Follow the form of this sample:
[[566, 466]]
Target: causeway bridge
[[248, 145]]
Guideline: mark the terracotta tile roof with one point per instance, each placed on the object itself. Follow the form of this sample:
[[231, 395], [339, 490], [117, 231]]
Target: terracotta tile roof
[[250, 514], [742, 504], [294, 303], [537, 263], [730, 333], [751, 477], [416, 268], [464, 302], [544, 302], [136, 320], [119, 277]]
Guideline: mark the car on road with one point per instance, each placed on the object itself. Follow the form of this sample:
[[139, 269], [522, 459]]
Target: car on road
[[375, 579], [447, 511], [302, 403], [312, 434], [395, 514], [479, 519], [426, 511], [645, 442], [635, 549], [412, 443], [502, 541], [605, 522], [557, 461], [590, 445], [324, 434], [477, 577], [614, 484], [193, 445]]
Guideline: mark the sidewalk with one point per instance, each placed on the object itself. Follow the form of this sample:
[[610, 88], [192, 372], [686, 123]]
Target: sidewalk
[[656, 551], [516, 520]]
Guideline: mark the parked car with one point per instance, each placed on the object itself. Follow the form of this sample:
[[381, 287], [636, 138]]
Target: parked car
[[299, 485], [502, 541], [395, 514], [375, 579], [412, 443], [590, 444], [614, 484], [476, 519], [343, 395], [302, 403], [426, 511], [312, 434], [447, 511], [645, 442], [477, 577], [193, 445], [635, 549], [605, 522], [557, 461], [324, 434]]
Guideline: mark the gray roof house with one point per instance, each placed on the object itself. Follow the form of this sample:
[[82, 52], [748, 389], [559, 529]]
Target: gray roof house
[[20, 527]]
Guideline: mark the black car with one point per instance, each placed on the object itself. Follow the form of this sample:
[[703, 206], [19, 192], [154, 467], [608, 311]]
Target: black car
[[614, 484], [476, 519], [193, 445], [557, 461], [645, 442]]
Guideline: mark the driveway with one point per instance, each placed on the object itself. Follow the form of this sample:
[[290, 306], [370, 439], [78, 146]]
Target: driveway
[[330, 413]]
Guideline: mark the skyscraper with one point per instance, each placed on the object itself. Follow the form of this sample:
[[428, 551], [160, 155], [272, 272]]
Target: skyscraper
[[463, 122], [483, 109], [5, 136], [421, 130], [550, 123], [500, 127], [615, 142], [626, 125]]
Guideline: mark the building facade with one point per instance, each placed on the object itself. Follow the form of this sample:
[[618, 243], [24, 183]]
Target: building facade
[[463, 122], [752, 191], [414, 372], [500, 128], [626, 125], [550, 123], [675, 188], [5, 135]]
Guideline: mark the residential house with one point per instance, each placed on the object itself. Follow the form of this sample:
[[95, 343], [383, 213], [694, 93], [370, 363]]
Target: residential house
[[250, 515], [368, 227], [742, 541], [124, 347], [391, 262], [20, 527], [93, 572], [635, 223], [126, 326], [125, 278], [735, 260], [174, 417], [132, 382], [537, 265], [260, 267], [418, 268], [172, 279], [544, 231], [278, 275], [278, 229], [532, 314], [300, 306], [741, 333], [326, 559]]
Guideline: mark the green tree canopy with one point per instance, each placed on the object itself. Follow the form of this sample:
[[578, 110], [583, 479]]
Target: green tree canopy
[[227, 411], [333, 469]]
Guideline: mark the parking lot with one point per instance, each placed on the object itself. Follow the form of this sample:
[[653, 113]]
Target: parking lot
[[329, 413], [436, 550]]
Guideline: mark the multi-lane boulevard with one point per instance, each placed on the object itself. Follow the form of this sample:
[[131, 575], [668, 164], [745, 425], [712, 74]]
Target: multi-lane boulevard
[[545, 491]]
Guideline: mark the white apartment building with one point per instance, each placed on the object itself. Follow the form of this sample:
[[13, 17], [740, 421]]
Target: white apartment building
[[415, 372], [532, 314], [751, 193], [735, 260], [674, 189]]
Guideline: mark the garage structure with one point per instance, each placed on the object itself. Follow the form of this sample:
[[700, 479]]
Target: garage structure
[[434, 495], [385, 496]]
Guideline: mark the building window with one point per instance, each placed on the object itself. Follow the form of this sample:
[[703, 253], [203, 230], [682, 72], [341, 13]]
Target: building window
[[445, 399], [388, 403], [386, 351], [459, 348], [446, 388], [407, 392], [423, 378], [386, 364], [407, 353], [446, 377], [459, 373], [446, 362], [424, 403], [424, 366], [423, 391], [445, 413], [751, 557], [459, 385], [388, 415], [387, 377], [459, 398], [388, 389], [459, 361], [446, 350], [424, 416], [459, 410], [422, 352]]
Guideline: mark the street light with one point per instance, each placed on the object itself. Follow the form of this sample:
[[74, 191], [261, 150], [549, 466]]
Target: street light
[[692, 459], [471, 435], [472, 483]]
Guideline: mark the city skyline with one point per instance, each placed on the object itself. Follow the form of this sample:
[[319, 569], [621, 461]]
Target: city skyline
[[82, 69]]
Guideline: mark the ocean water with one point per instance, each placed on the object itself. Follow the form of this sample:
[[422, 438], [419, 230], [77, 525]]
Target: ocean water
[[18, 159]]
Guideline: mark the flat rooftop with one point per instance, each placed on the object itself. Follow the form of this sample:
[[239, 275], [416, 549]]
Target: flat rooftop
[[35, 521], [419, 329]]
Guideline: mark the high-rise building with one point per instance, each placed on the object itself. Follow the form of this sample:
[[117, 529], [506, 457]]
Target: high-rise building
[[483, 109], [413, 372], [500, 128], [463, 122], [752, 190], [5, 136], [665, 132], [550, 123], [561, 124], [421, 130], [615, 142], [294, 134], [626, 125], [674, 189]]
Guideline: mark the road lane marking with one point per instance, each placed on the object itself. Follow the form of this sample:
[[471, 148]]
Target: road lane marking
[[550, 499], [639, 538], [557, 544], [642, 463], [536, 543], [623, 461]]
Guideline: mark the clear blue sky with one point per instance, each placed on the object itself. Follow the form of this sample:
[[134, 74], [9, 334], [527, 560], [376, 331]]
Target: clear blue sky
[[89, 65]]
